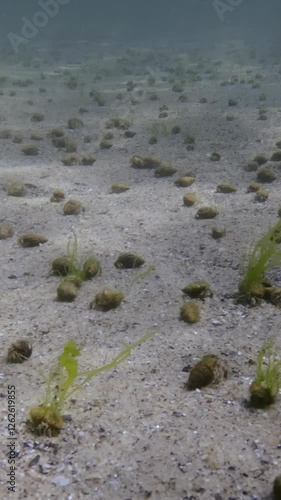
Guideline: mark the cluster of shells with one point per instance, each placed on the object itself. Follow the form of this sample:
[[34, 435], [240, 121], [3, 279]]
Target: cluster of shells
[[105, 299]]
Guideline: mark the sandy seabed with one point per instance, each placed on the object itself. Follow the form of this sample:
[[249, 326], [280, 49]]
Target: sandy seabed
[[136, 432]]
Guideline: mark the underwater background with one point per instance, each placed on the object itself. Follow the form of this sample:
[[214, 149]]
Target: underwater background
[[190, 20], [140, 222]]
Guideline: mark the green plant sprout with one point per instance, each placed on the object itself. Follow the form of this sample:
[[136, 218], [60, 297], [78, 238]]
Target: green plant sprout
[[75, 267], [83, 269], [264, 255], [140, 276], [267, 382], [46, 418]]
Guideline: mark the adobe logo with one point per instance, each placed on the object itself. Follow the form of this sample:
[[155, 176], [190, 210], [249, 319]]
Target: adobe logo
[[40, 19]]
